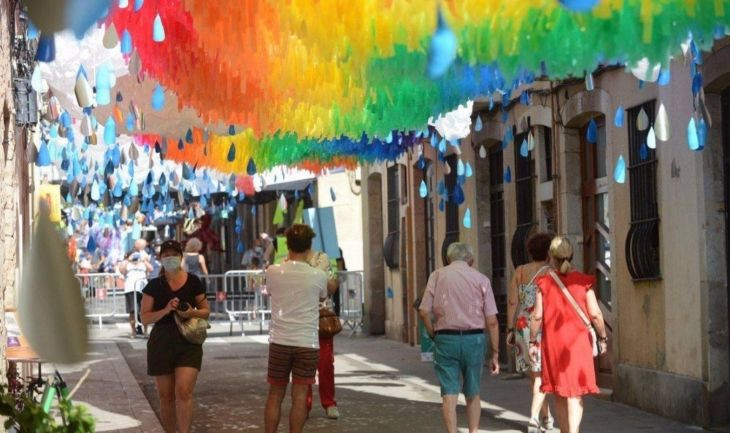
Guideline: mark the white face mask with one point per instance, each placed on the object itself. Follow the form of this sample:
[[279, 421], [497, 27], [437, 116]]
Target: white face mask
[[171, 263]]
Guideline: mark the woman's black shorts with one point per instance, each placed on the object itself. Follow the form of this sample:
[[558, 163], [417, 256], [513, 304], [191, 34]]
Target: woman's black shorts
[[167, 350]]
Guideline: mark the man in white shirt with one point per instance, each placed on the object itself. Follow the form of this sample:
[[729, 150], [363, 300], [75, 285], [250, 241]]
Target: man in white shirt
[[296, 288]]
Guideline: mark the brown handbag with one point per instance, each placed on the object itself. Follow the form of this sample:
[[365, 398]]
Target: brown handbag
[[329, 323]]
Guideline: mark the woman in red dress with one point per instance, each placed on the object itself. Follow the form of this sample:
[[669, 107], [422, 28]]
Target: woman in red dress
[[567, 352]]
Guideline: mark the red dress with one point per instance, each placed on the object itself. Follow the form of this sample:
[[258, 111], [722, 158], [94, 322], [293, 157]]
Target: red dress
[[567, 358]]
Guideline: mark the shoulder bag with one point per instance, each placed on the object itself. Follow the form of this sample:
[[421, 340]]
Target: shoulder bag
[[194, 329], [329, 323], [580, 313]]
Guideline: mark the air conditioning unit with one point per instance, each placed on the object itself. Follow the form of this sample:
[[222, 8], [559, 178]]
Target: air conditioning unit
[[26, 102]]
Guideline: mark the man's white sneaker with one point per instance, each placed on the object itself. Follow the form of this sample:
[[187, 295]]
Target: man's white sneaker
[[332, 412]]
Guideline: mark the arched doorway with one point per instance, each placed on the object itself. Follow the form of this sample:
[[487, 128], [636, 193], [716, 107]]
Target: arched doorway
[[375, 279]]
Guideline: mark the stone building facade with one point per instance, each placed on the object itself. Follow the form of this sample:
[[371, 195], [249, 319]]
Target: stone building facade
[[657, 244]]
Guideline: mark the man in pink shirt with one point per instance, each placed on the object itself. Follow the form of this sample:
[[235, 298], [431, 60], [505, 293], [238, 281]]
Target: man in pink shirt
[[461, 301]]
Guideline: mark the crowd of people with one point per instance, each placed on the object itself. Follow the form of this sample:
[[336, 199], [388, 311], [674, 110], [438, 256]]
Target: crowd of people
[[555, 329], [555, 326]]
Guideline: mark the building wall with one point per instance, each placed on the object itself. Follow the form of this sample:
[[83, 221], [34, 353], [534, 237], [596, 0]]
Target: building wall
[[346, 206], [8, 178], [669, 335]]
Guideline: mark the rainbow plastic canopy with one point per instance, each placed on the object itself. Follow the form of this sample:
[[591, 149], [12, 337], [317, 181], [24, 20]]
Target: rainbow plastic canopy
[[323, 83]]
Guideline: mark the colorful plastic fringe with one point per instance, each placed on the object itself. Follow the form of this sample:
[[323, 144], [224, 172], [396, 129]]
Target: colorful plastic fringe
[[309, 79]]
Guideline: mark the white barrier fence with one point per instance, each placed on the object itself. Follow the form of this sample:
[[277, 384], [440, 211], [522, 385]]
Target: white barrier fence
[[239, 296]]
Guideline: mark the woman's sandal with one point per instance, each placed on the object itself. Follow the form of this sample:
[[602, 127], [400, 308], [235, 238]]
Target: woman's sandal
[[534, 426], [548, 423]]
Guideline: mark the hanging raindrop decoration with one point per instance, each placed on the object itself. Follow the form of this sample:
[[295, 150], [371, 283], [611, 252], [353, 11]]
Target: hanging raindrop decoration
[[478, 126], [524, 148], [232, 152], [482, 152], [423, 189], [333, 196], [126, 47], [467, 218], [619, 172], [592, 132], [251, 167], [468, 172], [44, 158], [701, 133], [618, 118], [507, 175], [158, 31], [651, 139], [442, 49], [692, 137], [642, 120], [158, 98], [661, 124]]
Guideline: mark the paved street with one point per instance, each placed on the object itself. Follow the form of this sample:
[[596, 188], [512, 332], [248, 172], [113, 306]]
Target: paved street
[[381, 387]]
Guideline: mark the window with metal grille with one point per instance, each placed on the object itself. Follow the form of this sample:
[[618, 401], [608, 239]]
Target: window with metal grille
[[524, 184], [391, 249], [429, 218], [642, 241], [452, 209], [547, 140], [497, 237]]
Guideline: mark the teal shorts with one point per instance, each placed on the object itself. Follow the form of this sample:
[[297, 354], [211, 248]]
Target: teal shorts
[[459, 361]]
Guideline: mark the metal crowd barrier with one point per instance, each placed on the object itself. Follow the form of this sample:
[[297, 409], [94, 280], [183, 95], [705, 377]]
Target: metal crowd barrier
[[103, 295], [246, 298], [352, 298], [215, 292]]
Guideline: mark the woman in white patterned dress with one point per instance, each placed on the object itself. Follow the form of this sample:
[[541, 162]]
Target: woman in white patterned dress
[[521, 301]]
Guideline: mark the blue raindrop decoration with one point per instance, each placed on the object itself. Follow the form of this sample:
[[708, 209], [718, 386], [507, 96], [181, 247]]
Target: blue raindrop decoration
[[579, 5], [251, 167], [525, 98], [231, 130], [460, 169], [619, 172], [701, 133], [643, 152], [442, 205], [187, 173], [524, 148], [696, 83], [507, 175], [138, 5], [158, 98], [468, 172], [332, 194], [46, 51], [442, 49], [158, 30], [44, 158], [618, 118], [442, 145], [189, 136], [423, 189], [240, 248], [129, 122], [232, 152], [117, 191], [478, 126], [91, 245], [126, 43], [467, 218], [95, 191], [441, 188], [693, 141], [33, 31], [180, 144], [458, 194], [592, 132], [110, 131], [665, 77]]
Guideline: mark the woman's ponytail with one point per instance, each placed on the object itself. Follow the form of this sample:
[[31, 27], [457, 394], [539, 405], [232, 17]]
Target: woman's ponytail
[[565, 266], [561, 251]]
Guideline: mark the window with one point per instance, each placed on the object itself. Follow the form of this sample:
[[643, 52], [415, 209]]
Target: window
[[429, 218], [596, 223], [524, 183], [496, 199], [642, 241], [391, 249], [547, 147], [452, 209]]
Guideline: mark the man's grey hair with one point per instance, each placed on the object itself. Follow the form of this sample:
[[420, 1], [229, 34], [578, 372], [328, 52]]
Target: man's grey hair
[[460, 251]]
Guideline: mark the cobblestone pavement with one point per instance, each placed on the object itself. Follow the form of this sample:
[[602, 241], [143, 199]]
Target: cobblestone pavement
[[381, 387]]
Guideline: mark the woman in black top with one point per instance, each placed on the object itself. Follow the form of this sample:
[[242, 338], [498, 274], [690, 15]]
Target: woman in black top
[[174, 361]]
